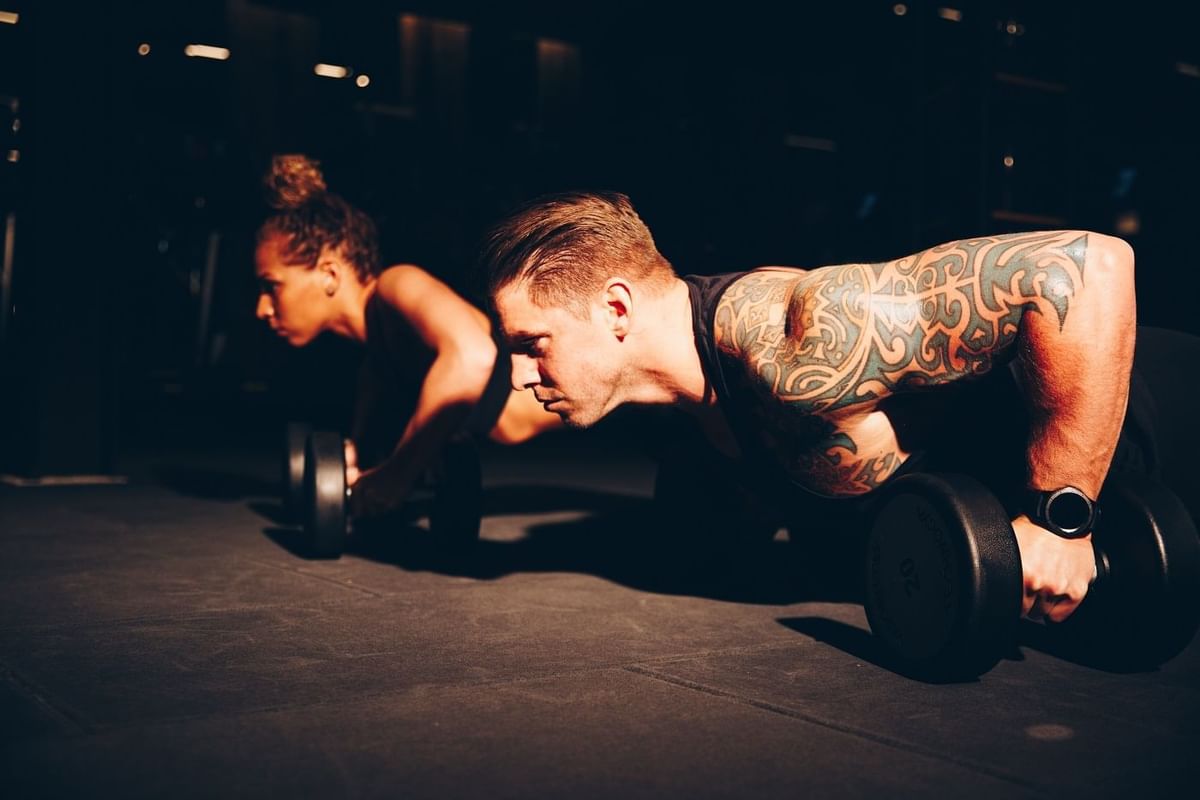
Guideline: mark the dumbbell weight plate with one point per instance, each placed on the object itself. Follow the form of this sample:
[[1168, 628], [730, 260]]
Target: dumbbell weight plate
[[295, 440], [457, 509], [325, 494], [1147, 608], [944, 583]]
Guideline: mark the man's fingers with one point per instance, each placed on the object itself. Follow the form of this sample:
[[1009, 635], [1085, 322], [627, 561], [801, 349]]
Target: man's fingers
[[1060, 608], [1049, 606], [1029, 605], [1064, 605]]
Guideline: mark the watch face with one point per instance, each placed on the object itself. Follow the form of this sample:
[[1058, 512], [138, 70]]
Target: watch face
[[1069, 510]]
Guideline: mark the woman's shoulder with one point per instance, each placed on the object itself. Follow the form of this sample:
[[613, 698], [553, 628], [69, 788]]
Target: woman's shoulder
[[407, 286], [416, 292], [403, 274]]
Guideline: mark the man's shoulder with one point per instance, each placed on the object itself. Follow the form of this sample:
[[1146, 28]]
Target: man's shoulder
[[752, 305], [769, 275]]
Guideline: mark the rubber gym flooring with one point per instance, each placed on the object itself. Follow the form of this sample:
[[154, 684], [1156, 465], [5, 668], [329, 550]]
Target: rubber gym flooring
[[163, 639]]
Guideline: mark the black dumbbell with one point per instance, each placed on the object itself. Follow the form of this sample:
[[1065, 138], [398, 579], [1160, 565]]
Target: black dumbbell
[[944, 584], [455, 513], [295, 440], [325, 494]]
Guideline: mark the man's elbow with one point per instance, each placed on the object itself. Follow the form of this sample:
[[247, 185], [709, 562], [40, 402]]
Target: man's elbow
[[1111, 271], [1108, 273], [1115, 255]]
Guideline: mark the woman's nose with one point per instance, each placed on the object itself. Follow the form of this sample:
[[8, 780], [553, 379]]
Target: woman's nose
[[265, 307]]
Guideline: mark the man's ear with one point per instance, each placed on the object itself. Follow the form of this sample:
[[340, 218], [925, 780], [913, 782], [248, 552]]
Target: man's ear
[[618, 305]]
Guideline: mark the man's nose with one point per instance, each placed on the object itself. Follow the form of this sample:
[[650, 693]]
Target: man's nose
[[524, 372]]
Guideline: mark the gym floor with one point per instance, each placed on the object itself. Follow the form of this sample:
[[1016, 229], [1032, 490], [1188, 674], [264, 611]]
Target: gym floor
[[163, 638]]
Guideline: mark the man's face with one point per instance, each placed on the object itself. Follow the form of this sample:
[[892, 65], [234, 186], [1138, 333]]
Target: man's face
[[571, 363]]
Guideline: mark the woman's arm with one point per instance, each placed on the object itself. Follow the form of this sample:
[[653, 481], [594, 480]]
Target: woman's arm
[[459, 335]]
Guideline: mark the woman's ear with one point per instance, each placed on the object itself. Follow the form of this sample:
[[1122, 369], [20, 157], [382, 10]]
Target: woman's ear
[[331, 275]]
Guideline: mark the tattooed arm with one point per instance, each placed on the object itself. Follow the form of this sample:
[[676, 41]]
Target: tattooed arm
[[834, 341]]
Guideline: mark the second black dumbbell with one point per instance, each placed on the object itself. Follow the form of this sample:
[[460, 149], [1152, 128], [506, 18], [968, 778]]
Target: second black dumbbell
[[944, 582]]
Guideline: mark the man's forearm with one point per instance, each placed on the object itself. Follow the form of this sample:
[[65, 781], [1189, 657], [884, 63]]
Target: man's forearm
[[1076, 369]]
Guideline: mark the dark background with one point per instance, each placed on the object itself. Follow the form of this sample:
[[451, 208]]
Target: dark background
[[745, 133]]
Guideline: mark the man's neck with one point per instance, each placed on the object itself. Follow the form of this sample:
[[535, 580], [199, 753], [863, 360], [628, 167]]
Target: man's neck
[[668, 368]]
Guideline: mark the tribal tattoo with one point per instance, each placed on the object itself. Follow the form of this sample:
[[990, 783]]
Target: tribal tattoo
[[827, 345]]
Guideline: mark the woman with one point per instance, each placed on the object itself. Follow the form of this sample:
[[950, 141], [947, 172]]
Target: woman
[[433, 369]]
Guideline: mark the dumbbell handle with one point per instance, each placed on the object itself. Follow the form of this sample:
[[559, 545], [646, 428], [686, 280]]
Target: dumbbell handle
[[1103, 568]]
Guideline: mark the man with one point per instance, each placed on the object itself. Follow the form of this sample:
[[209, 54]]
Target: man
[[832, 377]]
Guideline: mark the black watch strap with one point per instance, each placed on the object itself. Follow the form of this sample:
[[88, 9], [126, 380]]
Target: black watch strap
[[1066, 511]]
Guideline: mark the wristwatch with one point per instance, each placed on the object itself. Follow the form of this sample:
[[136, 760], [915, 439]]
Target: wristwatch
[[1067, 512]]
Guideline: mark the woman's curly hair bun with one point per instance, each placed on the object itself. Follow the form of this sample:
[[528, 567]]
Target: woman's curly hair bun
[[292, 181]]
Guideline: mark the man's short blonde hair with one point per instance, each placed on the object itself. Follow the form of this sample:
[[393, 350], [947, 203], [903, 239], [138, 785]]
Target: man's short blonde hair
[[563, 247]]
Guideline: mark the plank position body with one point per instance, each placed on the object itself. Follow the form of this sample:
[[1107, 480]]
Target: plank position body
[[433, 368], [816, 371]]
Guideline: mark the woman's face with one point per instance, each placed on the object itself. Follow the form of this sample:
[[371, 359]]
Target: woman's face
[[293, 299]]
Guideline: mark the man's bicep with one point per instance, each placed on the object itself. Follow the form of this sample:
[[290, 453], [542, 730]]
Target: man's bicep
[[974, 295], [855, 333]]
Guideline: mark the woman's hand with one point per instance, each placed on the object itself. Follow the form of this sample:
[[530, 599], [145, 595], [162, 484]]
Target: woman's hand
[[352, 471]]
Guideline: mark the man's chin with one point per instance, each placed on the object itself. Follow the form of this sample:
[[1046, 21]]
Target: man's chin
[[574, 420]]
